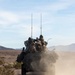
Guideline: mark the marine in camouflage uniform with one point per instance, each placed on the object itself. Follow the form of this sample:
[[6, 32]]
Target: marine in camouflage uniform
[[42, 40], [30, 45], [43, 43]]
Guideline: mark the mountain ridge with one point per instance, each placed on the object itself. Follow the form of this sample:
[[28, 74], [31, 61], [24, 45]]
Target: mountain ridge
[[5, 48], [70, 47]]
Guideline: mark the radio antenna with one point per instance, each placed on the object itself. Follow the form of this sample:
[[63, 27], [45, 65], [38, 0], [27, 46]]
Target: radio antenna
[[31, 25], [40, 24]]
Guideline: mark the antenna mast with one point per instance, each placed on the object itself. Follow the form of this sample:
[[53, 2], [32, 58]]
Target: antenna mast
[[40, 24], [31, 25]]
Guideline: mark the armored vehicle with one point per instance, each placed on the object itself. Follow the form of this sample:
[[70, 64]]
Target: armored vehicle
[[36, 57]]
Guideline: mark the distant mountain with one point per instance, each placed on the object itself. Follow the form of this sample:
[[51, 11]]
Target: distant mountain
[[70, 47], [5, 48]]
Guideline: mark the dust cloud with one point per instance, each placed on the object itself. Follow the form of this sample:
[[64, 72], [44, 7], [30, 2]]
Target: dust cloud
[[54, 65], [51, 63], [65, 65], [46, 64]]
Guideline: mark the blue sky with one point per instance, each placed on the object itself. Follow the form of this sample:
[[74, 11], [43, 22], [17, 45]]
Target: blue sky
[[58, 20]]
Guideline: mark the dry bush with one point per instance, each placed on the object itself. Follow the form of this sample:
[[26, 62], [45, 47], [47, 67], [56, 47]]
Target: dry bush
[[6, 71], [2, 60], [17, 65], [8, 66]]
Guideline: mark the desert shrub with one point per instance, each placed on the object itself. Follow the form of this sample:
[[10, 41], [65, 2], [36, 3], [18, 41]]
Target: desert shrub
[[8, 66], [6, 71], [9, 72], [2, 57], [1, 69], [1, 62], [17, 65]]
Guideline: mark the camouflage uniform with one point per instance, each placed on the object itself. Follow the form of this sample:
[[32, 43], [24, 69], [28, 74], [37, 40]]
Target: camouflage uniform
[[38, 44], [44, 43], [30, 45]]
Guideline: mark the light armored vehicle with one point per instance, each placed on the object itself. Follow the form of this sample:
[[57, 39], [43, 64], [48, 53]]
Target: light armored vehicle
[[35, 57]]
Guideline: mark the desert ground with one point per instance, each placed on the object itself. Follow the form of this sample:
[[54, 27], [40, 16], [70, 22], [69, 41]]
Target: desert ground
[[65, 65]]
